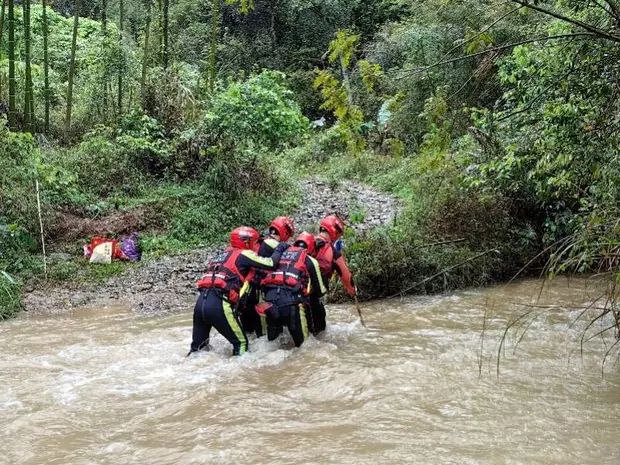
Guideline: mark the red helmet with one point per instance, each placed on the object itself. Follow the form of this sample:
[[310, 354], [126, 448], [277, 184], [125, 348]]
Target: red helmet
[[306, 240], [284, 227], [243, 238], [333, 226]]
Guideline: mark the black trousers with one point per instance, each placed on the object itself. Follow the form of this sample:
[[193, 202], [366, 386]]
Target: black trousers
[[250, 319], [212, 311], [293, 316], [317, 315]]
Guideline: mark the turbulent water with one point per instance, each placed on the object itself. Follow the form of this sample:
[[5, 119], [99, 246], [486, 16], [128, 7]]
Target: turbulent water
[[420, 385]]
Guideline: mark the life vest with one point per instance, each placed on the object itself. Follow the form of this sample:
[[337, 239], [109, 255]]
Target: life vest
[[223, 274], [291, 271], [325, 257]]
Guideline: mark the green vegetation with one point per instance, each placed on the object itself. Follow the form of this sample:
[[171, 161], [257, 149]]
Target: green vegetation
[[495, 123]]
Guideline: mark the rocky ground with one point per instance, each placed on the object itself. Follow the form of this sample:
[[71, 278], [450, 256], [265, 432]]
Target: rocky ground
[[167, 284]]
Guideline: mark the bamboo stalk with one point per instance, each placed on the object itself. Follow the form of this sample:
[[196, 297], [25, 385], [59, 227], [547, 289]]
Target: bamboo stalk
[[165, 51], [216, 12], [76, 19], [12, 83], [145, 55], [2, 21], [120, 73], [46, 66]]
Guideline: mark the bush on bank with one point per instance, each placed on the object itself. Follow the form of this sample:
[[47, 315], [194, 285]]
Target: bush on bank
[[185, 186]]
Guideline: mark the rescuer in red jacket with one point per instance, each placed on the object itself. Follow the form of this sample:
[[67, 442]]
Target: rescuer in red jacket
[[223, 285], [287, 288], [330, 259], [281, 229]]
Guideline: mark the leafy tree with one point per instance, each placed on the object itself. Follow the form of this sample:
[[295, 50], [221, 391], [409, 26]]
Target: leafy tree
[[338, 96], [259, 112]]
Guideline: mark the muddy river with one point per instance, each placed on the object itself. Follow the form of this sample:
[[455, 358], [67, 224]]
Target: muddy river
[[420, 385]]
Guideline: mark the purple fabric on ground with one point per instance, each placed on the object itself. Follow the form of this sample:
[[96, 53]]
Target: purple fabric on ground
[[130, 246]]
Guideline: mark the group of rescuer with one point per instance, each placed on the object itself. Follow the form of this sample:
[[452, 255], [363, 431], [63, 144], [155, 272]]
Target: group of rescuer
[[261, 283]]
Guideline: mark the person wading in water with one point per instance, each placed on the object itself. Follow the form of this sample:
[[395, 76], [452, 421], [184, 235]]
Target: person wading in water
[[328, 252], [281, 229], [287, 288], [222, 286]]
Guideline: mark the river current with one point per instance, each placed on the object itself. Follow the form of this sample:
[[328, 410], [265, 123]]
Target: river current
[[419, 385]]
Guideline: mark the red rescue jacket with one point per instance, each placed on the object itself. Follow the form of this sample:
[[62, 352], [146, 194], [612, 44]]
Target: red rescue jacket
[[291, 271], [325, 255], [222, 273]]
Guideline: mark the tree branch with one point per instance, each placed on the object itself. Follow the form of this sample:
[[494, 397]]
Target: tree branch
[[531, 103], [423, 69], [615, 8], [588, 27], [456, 47]]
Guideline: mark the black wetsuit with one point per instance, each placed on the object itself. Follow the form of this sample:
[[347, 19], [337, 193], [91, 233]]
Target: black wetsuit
[[213, 308], [250, 319], [289, 306]]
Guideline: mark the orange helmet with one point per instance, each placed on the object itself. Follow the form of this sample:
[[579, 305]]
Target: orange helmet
[[305, 240], [244, 237], [333, 226], [284, 226]]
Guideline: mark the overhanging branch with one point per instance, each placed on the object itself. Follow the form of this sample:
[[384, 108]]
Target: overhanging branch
[[408, 72], [588, 27]]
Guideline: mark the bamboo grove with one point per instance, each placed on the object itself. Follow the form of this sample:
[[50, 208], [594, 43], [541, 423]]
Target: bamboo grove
[[153, 33], [19, 84]]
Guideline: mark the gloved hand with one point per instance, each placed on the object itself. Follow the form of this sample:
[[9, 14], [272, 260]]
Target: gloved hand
[[339, 245], [282, 246]]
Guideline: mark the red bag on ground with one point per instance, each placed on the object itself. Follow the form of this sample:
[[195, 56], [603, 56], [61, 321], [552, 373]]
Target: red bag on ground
[[109, 247]]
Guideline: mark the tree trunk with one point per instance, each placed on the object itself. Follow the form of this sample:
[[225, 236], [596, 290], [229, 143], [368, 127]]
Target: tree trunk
[[103, 109], [2, 19], [145, 55], [216, 19], [160, 34], [46, 79], [28, 93], [345, 80], [1, 36], [166, 51], [76, 19], [120, 72], [272, 26], [104, 15], [12, 84]]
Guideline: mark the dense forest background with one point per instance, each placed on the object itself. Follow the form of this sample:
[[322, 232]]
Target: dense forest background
[[495, 122]]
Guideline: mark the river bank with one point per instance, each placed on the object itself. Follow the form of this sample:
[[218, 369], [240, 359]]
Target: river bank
[[167, 284]]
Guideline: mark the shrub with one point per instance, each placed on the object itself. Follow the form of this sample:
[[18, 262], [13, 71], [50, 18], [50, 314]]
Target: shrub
[[17, 176], [9, 296], [259, 112]]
